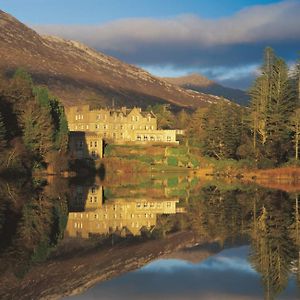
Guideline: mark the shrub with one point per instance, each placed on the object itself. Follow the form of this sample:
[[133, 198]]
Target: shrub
[[172, 161]]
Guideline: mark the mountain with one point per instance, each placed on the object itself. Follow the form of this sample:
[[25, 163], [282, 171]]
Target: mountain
[[199, 83], [78, 74]]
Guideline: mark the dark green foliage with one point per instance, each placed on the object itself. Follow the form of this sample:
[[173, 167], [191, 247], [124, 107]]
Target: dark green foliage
[[34, 120], [165, 118], [222, 130], [2, 134], [272, 103]]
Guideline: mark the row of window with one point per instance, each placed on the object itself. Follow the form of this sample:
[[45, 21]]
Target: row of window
[[152, 138], [78, 117], [115, 216], [133, 224], [151, 205]]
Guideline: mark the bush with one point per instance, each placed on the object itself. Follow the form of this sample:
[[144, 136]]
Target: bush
[[172, 161]]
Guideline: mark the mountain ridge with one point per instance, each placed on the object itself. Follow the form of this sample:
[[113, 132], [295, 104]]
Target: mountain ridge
[[200, 83], [79, 74]]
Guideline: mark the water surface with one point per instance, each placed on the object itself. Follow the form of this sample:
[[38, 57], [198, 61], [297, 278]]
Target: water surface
[[163, 237]]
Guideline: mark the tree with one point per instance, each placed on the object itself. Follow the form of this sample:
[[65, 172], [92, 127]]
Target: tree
[[37, 129], [295, 127], [271, 106], [165, 118], [2, 134], [222, 130], [183, 119]]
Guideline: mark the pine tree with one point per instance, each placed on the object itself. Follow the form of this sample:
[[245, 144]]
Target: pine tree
[[37, 129], [271, 106], [2, 134]]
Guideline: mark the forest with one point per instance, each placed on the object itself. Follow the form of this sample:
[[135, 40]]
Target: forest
[[265, 134], [33, 127]]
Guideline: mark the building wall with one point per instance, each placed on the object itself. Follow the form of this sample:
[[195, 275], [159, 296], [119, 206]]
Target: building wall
[[85, 145], [119, 125]]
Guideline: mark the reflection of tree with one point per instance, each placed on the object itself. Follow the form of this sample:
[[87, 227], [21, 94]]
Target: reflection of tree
[[273, 251], [269, 217], [295, 235], [39, 221]]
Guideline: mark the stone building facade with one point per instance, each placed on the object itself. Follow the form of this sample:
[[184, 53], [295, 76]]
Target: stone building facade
[[85, 145], [119, 125]]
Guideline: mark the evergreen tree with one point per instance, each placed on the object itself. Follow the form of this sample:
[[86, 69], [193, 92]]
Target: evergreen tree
[[223, 130], [37, 129], [2, 134], [271, 106]]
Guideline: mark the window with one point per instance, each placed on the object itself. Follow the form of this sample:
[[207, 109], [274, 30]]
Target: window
[[121, 127], [152, 138], [138, 205], [87, 126], [76, 120], [91, 199], [168, 139], [95, 144], [168, 204], [105, 126], [132, 127], [96, 126], [95, 199], [145, 138], [91, 144], [139, 138]]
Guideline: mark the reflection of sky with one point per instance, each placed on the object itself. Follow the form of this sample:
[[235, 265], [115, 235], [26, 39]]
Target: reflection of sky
[[226, 275]]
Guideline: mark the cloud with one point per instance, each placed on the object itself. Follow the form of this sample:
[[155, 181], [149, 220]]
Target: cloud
[[191, 42]]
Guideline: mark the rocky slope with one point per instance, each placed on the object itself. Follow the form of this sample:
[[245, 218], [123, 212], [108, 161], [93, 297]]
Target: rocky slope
[[199, 83], [78, 74]]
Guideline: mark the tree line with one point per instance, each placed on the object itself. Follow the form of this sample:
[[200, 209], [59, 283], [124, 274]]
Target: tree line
[[266, 133], [33, 126]]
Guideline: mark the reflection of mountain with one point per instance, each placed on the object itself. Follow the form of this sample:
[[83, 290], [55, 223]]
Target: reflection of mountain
[[121, 215]]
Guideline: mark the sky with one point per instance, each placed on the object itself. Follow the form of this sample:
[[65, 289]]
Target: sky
[[223, 40]]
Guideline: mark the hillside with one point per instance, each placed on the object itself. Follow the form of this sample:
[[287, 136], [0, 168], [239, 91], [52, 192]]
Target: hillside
[[76, 74], [202, 84]]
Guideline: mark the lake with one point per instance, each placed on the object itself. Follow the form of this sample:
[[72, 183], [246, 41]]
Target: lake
[[148, 236]]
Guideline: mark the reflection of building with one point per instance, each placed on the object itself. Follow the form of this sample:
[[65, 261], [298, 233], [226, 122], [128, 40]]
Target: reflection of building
[[120, 214], [119, 125]]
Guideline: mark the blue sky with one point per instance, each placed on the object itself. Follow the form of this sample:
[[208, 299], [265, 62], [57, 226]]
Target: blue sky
[[223, 40], [100, 11]]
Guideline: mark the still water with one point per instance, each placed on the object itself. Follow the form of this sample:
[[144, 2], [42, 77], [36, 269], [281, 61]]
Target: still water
[[158, 237]]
